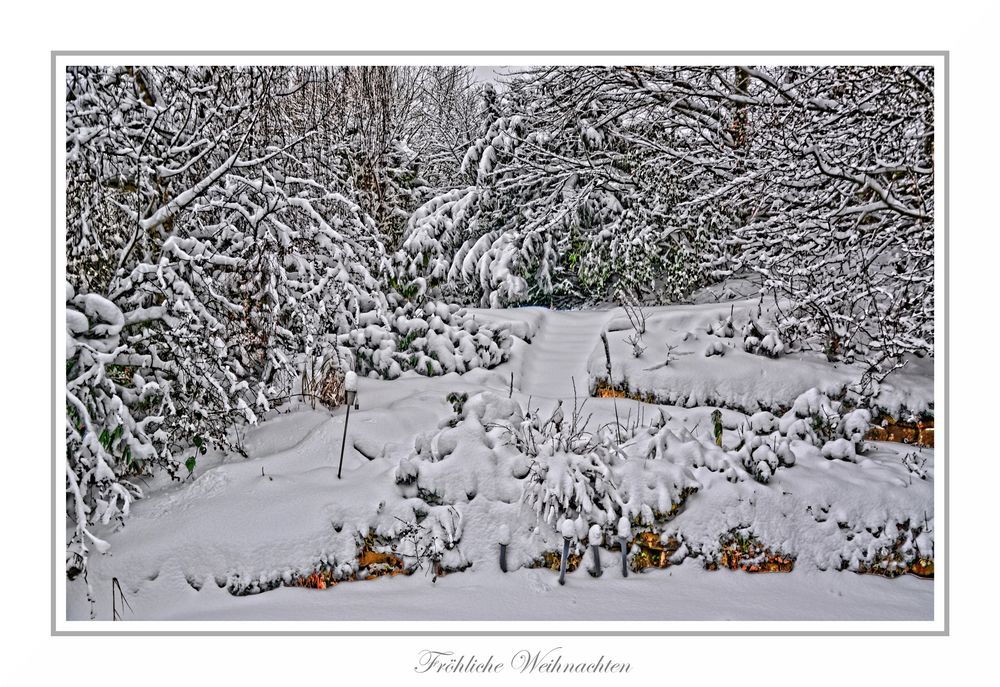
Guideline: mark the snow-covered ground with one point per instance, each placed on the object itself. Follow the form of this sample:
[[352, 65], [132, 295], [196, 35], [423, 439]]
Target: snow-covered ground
[[242, 524]]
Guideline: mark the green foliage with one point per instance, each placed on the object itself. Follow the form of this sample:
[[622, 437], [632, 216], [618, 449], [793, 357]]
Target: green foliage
[[824, 427], [717, 426], [110, 440], [457, 401], [406, 339]]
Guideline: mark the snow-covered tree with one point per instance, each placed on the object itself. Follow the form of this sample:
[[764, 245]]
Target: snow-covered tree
[[227, 232], [591, 183], [221, 254]]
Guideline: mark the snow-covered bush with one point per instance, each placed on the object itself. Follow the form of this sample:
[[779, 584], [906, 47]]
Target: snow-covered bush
[[715, 348], [722, 327], [839, 449], [824, 423], [760, 341], [683, 448], [762, 454], [854, 425], [429, 542], [569, 486], [432, 338]]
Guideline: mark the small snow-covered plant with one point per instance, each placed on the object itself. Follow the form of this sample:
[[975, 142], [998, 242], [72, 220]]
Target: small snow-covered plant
[[762, 456], [915, 464], [457, 401], [715, 348], [854, 425], [670, 354], [763, 449], [717, 427], [722, 327], [824, 426], [431, 543], [406, 473], [839, 449], [635, 341], [533, 436], [323, 380], [814, 418], [637, 318], [761, 341], [817, 419], [763, 422]]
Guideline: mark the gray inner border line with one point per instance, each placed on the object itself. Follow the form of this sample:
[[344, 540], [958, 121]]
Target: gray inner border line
[[946, 54]]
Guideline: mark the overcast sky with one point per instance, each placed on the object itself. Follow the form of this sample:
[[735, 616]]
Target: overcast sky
[[488, 73]]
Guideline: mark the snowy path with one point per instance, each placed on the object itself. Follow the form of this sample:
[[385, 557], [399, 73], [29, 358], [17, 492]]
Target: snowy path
[[560, 352]]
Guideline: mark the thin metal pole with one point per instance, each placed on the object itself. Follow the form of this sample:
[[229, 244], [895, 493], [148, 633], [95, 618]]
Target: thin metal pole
[[344, 440]]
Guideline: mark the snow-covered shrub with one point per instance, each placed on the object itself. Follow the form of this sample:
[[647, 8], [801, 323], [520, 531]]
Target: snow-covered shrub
[[915, 464], [813, 418], [722, 327], [762, 455], [430, 542], [551, 466], [854, 425], [890, 547], [570, 485], [816, 419], [760, 341], [432, 338], [839, 449], [653, 491], [763, 422], [715, 348], [405, 473], [687, 451], [590, 478]]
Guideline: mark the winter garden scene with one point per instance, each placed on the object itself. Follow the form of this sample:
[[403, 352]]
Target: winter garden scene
[[599, 343]]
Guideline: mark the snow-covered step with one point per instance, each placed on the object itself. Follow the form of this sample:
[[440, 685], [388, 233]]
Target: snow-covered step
[[559, 353]]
